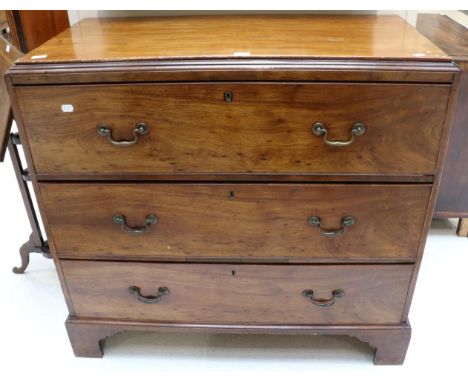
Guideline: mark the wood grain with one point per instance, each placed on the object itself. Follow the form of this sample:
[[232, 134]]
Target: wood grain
[[452, 200], [235, 70], [236, 221], [87, 336], [224, 293], [8, 55], [30, 28], [447, 34], [265, 129], [453, 193], [346, 37], [435, 188], [195, 134]]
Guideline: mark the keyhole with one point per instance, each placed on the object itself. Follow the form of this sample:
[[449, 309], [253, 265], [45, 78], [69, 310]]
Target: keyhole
[[228, 96], [233, 272], [232, 195]]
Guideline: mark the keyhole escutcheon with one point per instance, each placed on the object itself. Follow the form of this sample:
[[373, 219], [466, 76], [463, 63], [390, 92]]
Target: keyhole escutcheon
[[228, 96]]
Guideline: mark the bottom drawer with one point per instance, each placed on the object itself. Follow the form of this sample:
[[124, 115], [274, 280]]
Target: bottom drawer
[[223, 293]]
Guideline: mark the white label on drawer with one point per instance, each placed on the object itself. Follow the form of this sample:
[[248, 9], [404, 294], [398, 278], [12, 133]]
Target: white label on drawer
[[241, 54], [419, 54], [67, 108], [8, 47], [38, 56]]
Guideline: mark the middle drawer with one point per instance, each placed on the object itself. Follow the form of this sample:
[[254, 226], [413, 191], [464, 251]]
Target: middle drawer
[[240, 222]]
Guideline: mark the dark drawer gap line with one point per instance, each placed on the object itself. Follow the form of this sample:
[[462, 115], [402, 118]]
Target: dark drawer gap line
[[233, 182]]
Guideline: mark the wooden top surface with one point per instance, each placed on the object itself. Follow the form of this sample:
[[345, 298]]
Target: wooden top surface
[[449, 35], [250, 36]]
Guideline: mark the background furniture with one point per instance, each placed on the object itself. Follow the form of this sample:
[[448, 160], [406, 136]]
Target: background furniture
[[452, 200], [36, 243], [30, 29], [257, 174], [25, 29]]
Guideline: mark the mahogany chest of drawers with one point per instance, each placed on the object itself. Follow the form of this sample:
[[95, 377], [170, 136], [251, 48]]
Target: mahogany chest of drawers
[[252, 174]]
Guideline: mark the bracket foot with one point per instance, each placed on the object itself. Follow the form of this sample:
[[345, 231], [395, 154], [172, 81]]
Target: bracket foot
[[87, 336]]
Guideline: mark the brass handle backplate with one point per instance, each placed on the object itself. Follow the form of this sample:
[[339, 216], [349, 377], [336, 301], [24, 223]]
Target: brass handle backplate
[[320, 130], [346, 222], [140, 129], [323, 302], [122, 221], [151, 299]]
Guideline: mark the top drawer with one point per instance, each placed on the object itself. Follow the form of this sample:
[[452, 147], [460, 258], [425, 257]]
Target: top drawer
[[259, 128]]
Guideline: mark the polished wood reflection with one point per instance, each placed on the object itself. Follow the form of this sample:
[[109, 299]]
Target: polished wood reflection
[[273, 36]]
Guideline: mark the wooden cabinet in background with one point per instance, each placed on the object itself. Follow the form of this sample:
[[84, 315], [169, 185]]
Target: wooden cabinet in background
[[452, 200], [29, 29]]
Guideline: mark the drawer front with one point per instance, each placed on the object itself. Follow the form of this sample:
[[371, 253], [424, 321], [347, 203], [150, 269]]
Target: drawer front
[[276, 222], [259, 129], [223, 293]]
